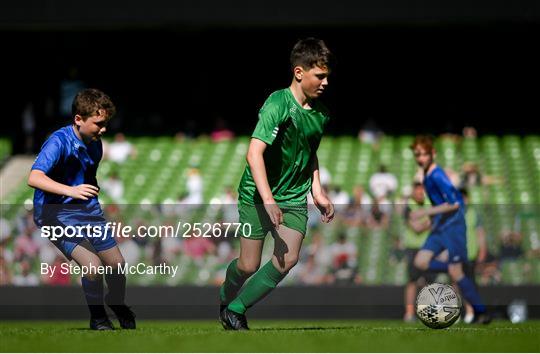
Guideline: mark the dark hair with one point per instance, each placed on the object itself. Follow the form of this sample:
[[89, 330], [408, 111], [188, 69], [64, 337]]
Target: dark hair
[[310, 52], [89, 102], [423, 141], [464, 192]]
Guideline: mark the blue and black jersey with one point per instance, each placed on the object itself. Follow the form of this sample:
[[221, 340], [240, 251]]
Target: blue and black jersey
[[66, 159], [440, 190]]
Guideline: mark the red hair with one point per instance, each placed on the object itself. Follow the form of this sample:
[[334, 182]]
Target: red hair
[[423, 141]]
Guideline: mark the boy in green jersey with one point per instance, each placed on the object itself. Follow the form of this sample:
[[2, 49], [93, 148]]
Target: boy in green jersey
[[282, 168]]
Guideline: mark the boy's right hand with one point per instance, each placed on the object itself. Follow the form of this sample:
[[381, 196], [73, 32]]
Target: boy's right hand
[[83, 191], [275, 214]]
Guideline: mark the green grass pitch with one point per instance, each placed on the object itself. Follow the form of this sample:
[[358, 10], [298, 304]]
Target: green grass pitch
[[270, 336]]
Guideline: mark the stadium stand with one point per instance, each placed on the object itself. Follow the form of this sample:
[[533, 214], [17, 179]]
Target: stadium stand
[[157, 176]]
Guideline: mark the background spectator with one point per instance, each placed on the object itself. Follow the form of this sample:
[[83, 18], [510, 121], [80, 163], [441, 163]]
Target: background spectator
[[130, 250], [379, 216], [344, 261], [113, 187], [340, 198], [382, 183], [325, 176], [198, 247], [194, 186], [25, 277], [510, 247], [119, 150], [221, 132], [5, 271], [310, 273], [470, 132], [370, 133], [25, 246], [57, 278]]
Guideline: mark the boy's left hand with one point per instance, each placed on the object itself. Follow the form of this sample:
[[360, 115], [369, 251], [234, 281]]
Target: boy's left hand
[[325, 206]]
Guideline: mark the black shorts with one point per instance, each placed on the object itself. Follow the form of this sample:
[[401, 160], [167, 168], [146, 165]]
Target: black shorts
[[469, 270], [415, 273]]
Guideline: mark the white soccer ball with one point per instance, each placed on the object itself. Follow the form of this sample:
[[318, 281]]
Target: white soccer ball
[[438, 305]]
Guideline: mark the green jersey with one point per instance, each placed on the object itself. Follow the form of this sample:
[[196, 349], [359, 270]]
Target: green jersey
[[473, 222], [414, 240], [293, 135]]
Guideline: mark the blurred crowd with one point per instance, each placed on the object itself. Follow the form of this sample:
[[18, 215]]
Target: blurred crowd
[[332, 254]]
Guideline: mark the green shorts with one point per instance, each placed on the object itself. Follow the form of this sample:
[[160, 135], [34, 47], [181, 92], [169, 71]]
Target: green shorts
[[294, 217]]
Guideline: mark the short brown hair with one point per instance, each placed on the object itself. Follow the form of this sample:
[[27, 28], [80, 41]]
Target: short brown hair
[[88, 102], [310, 52], [423, 141]]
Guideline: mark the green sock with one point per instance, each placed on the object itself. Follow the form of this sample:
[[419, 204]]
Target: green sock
[[260, 285], [234, 280]]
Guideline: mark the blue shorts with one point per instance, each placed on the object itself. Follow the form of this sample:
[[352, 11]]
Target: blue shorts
[[453, 238], [66, 245]]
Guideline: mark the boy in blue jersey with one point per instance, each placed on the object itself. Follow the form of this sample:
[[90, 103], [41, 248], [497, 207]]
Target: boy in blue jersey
[[448, 231], [66, 190]]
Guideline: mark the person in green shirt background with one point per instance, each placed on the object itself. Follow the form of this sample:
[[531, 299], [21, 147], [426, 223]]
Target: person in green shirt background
[[477, 249], [282, 168], [416, 232]]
